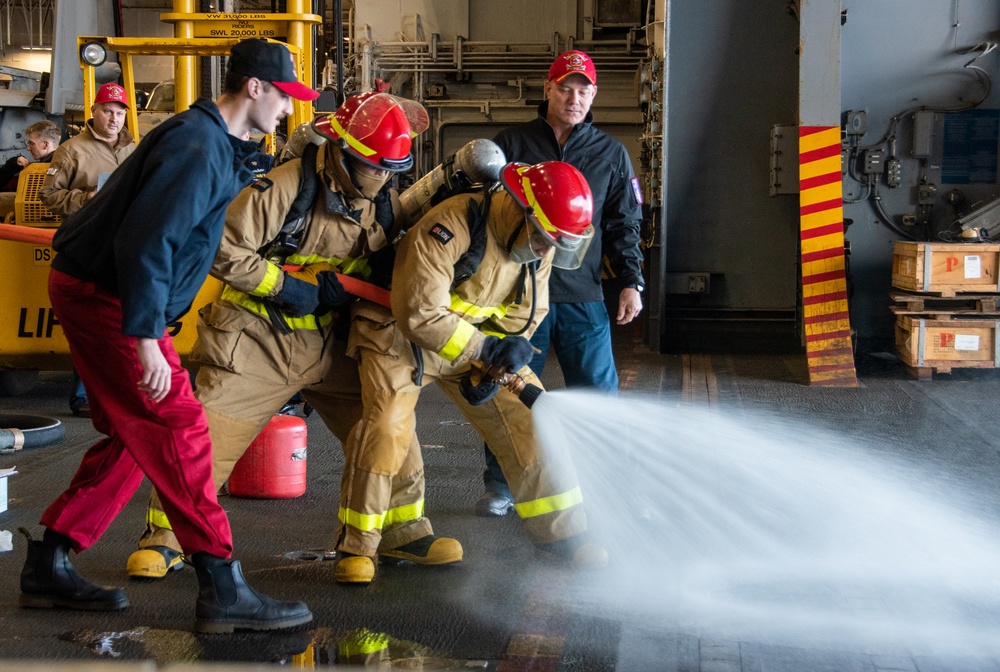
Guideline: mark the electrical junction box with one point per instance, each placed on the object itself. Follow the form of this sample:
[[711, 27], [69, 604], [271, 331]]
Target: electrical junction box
[[874, 161], [893, 172], [923, 134], [926, 194], [855, 122]]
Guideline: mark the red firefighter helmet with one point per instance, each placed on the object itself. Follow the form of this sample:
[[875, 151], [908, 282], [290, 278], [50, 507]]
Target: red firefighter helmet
[[377, 128], [558, 202]]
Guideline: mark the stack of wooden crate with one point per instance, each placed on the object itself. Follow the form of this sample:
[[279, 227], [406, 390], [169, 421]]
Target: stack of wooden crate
[[948, 315]]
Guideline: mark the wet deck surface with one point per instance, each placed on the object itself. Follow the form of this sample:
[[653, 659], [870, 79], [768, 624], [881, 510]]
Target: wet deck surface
[[502, 608]]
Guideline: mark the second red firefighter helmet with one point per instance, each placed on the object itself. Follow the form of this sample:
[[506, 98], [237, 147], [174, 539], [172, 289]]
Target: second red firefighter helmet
[[376, 128], [559, 204]]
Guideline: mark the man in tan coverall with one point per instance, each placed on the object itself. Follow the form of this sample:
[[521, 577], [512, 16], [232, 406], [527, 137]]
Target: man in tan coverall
[[453, 321], [77, 165], [271, 334]]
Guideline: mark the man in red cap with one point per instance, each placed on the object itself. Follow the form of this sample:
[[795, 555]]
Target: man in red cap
[[127, 264], [83, 162], [577, 326], [78, 168]]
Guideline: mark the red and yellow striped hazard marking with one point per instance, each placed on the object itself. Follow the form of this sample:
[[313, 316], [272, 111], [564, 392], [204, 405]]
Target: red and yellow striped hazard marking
[[824, 279]]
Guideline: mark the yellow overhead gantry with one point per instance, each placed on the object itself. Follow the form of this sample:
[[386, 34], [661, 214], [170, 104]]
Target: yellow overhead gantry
[[30, 336], [93, 52]]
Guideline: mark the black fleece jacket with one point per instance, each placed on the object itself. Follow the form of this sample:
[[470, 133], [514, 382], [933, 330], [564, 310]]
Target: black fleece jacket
[[605, 164], [151, 233]]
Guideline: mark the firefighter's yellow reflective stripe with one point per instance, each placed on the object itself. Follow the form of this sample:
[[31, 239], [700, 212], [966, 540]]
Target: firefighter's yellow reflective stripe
[[351, 141], [254, 306], [453, 348], [157, 518], [363, 642], [405, 513], [462, 307], [366, 522], [539, 215], [539, 507], [268, 282], [358, 268]]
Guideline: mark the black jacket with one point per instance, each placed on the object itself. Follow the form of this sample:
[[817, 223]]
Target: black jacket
[[10, 172], [604, 161], [151, 233]]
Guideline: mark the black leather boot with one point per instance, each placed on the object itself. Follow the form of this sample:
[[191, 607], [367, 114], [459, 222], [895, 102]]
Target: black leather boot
[[227, 603], [50, 580]]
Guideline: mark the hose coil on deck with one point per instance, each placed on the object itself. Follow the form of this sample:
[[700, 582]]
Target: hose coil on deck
[[28, 431]]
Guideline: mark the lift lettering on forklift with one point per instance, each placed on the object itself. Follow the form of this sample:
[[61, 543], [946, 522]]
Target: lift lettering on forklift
[[45, 320]]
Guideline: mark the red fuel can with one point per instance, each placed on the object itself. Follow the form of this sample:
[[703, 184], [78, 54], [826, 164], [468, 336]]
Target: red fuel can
[[274, 466]]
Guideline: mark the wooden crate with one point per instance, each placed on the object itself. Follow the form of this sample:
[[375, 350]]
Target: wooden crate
[[946, 268], [929, 345]]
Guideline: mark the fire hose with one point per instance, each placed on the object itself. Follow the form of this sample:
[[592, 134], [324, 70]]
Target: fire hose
[[524, 391]]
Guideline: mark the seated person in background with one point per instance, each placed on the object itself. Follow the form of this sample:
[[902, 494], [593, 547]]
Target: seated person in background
[[43, 138]]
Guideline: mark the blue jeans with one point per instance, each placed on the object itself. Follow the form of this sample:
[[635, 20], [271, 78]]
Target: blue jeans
[[78, 396], [580, 334]]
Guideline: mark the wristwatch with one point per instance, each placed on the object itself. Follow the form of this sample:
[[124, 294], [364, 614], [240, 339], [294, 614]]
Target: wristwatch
[[637, 286]]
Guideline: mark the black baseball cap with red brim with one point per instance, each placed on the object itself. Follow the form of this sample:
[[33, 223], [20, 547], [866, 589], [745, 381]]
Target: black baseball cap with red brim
[[269, 62]]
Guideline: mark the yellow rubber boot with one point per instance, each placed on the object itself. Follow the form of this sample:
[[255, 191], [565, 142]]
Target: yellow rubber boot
[[159, 554], [429, 550], [357, 569]]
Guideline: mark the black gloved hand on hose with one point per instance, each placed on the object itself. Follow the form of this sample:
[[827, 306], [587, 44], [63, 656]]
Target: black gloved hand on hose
[[477, 394], [331, 293], [297, 297], [511, 353]]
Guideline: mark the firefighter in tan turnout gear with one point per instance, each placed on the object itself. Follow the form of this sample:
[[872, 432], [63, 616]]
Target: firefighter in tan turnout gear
[[449, 312], [271, 334]]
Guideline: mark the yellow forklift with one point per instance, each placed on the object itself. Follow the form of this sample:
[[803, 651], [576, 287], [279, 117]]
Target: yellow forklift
[[30, 337]]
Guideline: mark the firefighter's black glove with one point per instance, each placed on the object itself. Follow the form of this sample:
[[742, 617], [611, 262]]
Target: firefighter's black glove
[[510, 353], [331, 293], [297, 297], [381, 264], [299, 293], [477, 394]]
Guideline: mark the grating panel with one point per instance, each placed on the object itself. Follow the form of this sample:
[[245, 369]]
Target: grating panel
[[28, 209]]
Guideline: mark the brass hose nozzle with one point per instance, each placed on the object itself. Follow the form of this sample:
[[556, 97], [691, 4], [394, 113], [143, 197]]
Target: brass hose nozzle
[[517, 385]]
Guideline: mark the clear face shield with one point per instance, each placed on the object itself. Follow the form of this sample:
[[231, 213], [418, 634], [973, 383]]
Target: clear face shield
[[534, 242]]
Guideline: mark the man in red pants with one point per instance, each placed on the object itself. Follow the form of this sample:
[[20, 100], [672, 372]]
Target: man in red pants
[[128, 263]]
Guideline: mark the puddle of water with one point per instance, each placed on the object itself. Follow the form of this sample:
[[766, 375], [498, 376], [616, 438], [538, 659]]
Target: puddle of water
[[315, 649]]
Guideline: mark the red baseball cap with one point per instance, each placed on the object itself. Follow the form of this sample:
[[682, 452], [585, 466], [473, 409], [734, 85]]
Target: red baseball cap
[[573, 63], [111, 93], [269, 62]]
